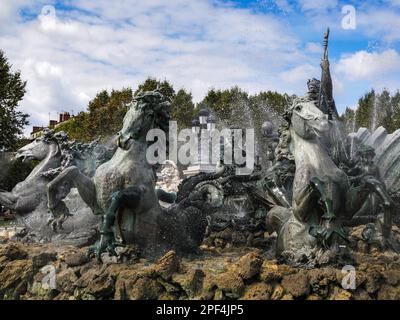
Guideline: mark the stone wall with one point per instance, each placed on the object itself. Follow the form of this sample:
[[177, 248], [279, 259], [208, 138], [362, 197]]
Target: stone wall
[[238, 274]]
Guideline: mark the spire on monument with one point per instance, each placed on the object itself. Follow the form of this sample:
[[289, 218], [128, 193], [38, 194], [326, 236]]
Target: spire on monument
[[325, 101]]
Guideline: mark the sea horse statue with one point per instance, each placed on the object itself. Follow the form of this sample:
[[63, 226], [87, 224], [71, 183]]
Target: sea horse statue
[[123, 190]]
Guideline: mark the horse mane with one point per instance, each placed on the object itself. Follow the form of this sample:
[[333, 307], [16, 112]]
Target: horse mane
[[154, 102], [73, 151]]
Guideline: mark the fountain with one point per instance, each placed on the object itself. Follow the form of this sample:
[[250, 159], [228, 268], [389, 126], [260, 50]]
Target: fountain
[[374, 113], [308, 192], [353, 129]]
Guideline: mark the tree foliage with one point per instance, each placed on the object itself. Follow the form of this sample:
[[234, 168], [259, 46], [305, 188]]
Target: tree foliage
[[374, 110], [104, 116], [13, 172], [106, 111], [182, 108], [151, 84], [12, 91], [236, 108]]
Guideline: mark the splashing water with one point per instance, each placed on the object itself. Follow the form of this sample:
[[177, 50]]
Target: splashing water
[[339, 152], [353, 129], [239, 204], [374, 115]]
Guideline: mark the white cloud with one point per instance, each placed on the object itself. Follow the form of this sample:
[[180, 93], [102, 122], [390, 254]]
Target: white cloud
[[314, 47], [283, 5], [380, 23], [301, 73], [364, 65], [394, 2], [69, 57], [317, 4], [10, 10]]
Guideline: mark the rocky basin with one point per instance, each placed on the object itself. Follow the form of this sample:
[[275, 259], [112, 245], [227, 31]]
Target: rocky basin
[[46, 271]]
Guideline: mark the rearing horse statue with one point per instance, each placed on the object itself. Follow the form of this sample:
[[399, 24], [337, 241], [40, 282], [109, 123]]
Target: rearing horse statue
[[30, 194], [123, 188], [319, 186]]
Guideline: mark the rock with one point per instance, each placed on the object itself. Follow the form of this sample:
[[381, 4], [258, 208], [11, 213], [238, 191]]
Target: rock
[[40, 291], [392, 277], [96, 282], [340, 294], [287, 297], [388, 292], [128, 253], [271, 271], [102, 286], [278, 293], [146, 289], [14, 276], [43, 258], [191, 281], [12, 251], [231, 283], [373, 281], [320, 280], [66, 280], [76, 259], [170, 288], [209, 286], [124, 284], [120, 290], [167, 265], [219, 242], [362, 246], [225, 234], [357, 232], [314, 297], [87, 296], [248, 266], [166, 296], [361, 294], [258, 291], [64, 296], [238, 238], [297, 284], [219, 295], [108, 258]]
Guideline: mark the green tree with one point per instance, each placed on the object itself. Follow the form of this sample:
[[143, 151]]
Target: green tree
[[151, 84], [395, 103], [107, 111], [230, 106], [104, 116], [182, 109], [182, 106], [364, 111], [273, 100], [12, 91], [349, 120], [384, 114], [76, 127], [270, 106]]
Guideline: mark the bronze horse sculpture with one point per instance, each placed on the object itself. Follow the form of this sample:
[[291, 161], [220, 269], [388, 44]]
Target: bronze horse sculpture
[[123, 191], [30, 194], [324, 199]]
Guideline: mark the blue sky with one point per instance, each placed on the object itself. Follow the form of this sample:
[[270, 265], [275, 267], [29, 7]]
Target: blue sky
[[69, 50]]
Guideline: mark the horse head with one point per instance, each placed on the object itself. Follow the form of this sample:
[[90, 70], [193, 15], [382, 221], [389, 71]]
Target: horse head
[[40, 148], [307, 120], [149, 110]]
